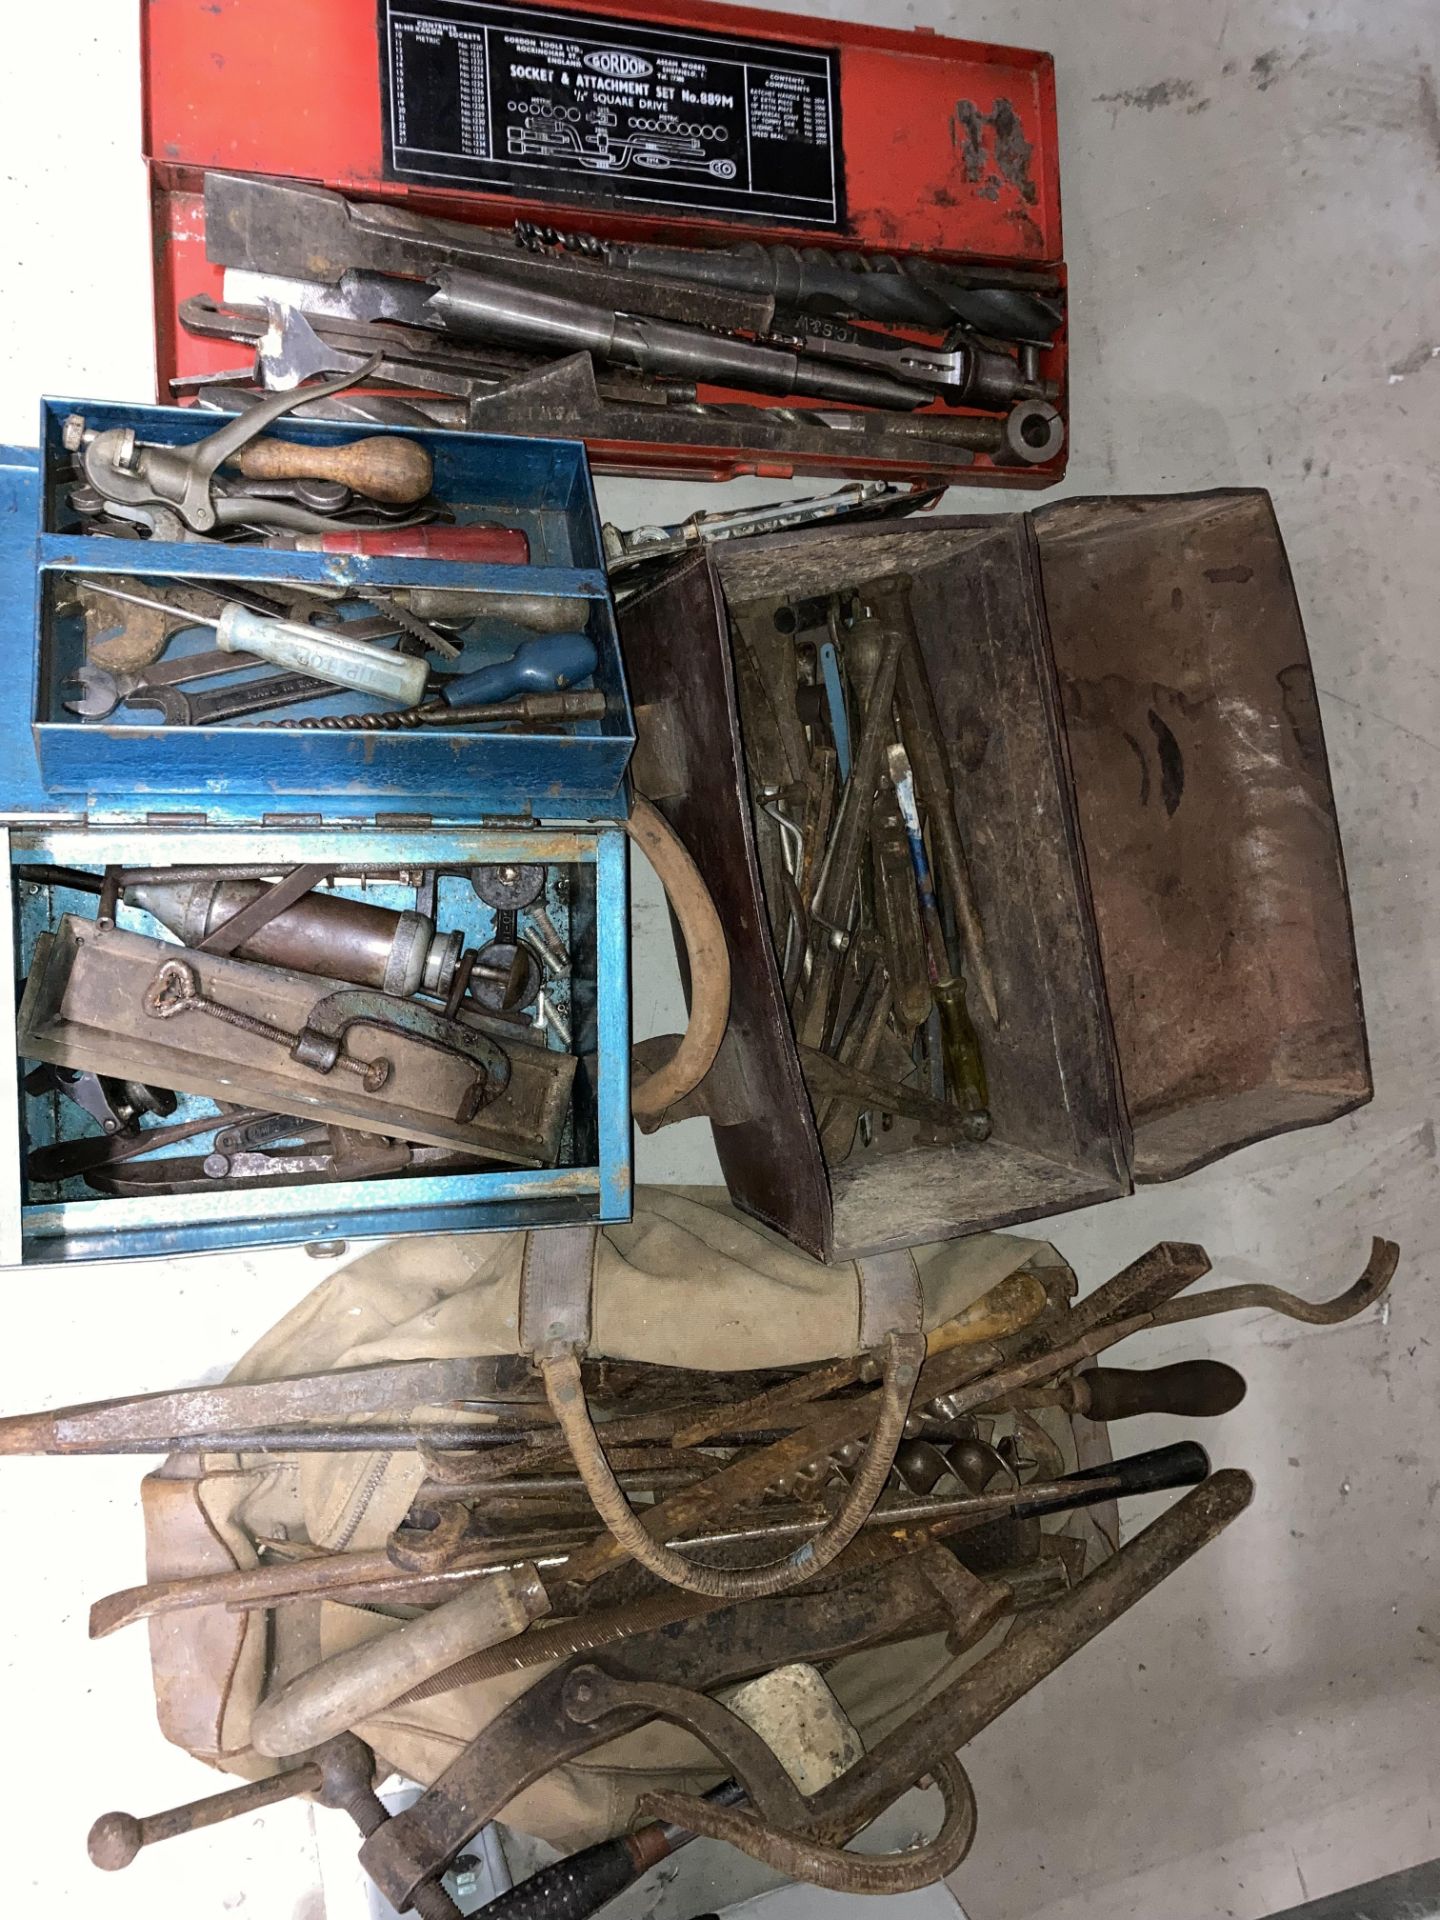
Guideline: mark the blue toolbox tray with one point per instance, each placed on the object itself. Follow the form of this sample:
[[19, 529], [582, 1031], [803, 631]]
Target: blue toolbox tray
[[541, 487], [140, 795]]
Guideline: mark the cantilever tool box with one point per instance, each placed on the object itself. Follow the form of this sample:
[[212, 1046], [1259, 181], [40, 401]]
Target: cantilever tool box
[[1141, 785], [700, 124], [133, 793]]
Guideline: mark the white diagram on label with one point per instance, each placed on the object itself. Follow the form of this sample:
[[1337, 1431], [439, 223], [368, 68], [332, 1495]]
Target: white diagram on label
[[659, 144]]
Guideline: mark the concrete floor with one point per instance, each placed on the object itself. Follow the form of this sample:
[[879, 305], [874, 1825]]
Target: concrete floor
[[1251, 202]]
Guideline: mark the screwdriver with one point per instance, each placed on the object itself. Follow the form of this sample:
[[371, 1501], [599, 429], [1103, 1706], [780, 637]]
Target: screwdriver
[[959, 1045], [1195, 1389], [535, 677], [324, 652], [547, 663]]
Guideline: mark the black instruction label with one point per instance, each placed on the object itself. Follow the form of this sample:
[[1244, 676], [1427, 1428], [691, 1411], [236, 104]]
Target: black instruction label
[[534, 101]]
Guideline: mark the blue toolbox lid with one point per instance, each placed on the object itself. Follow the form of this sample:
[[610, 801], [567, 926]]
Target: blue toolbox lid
[[56, 766]]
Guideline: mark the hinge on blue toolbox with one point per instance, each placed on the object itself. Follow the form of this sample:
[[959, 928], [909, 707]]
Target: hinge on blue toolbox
[[177, 819], [292, 819]]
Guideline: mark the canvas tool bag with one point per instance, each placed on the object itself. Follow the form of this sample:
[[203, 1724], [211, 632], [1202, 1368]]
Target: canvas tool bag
[[689, 1282]]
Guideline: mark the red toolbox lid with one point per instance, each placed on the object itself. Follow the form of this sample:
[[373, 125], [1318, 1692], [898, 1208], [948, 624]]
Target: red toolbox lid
[[748, 126]]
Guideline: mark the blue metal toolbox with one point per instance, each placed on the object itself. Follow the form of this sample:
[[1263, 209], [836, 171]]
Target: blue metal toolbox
[[409, 822]]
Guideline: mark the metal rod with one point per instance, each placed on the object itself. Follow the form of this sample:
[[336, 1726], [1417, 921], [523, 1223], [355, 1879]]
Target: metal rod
[[116, 1838], [1036, 1645]]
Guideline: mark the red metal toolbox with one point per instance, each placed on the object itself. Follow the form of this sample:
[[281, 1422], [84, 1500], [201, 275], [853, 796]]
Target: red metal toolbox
[[701, 124]]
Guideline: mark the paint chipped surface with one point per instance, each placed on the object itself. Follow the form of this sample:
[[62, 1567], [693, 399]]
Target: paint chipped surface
[[994, 152]]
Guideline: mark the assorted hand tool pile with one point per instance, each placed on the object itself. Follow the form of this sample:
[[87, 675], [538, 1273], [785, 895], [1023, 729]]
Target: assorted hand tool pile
[[370, 497], [209, 1011], [451, 314], [317, 643], [497, 1568], [316, 1034], [871, 904]]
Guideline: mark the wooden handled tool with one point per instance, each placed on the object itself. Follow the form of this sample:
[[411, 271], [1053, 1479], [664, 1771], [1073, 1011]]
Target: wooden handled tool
[[383, 467], [1192, 1389], [349, 1687]]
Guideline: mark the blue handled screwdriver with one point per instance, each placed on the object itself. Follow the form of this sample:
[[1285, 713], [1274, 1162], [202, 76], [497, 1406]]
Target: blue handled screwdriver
[[546, 663], [536, 678]]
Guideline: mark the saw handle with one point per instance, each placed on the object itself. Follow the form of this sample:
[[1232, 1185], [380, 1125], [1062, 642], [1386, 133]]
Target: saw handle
[[383, 467]]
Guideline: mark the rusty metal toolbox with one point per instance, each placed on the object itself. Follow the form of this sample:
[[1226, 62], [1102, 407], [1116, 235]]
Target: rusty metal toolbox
[[1141, 784], [639, 120], [384, 825]]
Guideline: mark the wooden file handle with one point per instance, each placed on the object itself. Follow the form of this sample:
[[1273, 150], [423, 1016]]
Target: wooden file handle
[[383, 467]]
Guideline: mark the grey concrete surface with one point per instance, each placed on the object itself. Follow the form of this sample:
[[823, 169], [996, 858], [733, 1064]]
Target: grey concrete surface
[[1251, 197]]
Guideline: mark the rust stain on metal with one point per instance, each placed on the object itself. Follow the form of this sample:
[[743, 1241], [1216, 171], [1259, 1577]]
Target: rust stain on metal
[[1302, 712], [1001, 160], [1172, 762]]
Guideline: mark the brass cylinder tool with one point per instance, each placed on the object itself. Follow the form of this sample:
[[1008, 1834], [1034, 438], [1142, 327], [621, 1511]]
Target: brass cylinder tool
[[325, 933]]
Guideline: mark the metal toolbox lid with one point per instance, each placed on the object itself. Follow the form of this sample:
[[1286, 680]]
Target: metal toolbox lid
[[1211, 840], [940, 146], [55, 769]]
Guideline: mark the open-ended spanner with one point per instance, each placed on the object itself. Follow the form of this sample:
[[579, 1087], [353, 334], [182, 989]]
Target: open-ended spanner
[[107, 688], [180, 709]]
